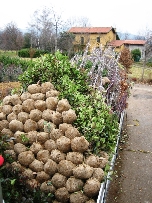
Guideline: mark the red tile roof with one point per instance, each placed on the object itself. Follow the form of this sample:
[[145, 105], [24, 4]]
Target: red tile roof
[[139, 42], [117, 43], [91, 29]]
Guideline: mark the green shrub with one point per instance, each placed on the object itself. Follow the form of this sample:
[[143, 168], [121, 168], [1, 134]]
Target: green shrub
[[12, 67], [26, 53], [94, 120], [136, 54]]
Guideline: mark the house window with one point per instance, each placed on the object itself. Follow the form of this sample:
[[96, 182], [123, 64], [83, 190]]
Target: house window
[[82, 40], [98, 39]]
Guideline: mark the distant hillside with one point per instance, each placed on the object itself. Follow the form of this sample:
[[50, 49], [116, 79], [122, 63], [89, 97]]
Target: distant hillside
[[124, 36]]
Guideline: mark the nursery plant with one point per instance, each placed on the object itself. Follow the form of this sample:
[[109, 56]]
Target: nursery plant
[[63, 104]]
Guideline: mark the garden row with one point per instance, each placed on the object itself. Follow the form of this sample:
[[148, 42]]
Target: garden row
[[89, 92]]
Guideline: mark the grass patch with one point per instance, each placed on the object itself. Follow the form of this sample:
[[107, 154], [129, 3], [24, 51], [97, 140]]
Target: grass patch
[[9, 53], [137, 70]]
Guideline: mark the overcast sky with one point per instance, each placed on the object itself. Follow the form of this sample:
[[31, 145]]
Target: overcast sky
[[131, 16]]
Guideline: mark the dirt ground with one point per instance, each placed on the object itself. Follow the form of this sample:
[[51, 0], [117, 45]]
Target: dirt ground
[[6, 88], [132, 177]]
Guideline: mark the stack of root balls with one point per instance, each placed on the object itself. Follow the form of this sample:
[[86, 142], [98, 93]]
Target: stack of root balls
[[48, 151]]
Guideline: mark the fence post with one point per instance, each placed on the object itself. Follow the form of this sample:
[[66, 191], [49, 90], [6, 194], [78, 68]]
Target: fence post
[[1, 196]]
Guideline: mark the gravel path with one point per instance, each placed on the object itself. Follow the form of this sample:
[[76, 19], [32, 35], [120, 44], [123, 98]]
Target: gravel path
[[132, 178]]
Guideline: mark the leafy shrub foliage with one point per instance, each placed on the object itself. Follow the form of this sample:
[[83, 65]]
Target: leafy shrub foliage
[[12, 67], [136, 54], [94, 119], [26, 53], [97, 106]]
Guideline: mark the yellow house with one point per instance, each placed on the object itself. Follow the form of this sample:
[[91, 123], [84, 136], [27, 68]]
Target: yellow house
[[95, 36]]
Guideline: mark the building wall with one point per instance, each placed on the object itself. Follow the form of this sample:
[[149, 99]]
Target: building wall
[[140, 47], [119, 49], [92, 40]]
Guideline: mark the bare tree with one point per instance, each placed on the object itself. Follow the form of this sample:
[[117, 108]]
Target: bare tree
[[65, 43], [148, 50], [82, 21], [11, 38], [42, 29]]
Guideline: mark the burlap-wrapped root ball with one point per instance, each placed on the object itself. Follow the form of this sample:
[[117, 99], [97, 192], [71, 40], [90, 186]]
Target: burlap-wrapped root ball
[[40, 105], [17, 109], [69, 116], [43, 155], [47, 187], [57, 156], [74, 184], [63, 105], [98, 174], [38, 96], [83, 171], [103, 161], [48, 127], [46, 86], [62, 194], [23, 116], [28, 105], [56, 134], [2, 116], [30, 125], [15, 125], [47, 114], [79, 144], [63, 144], [7, 109], [19, 148], [34, 88], [12, 116], [50, 167], [57, 118], [72, 132], [20, 137], [7, 132], [91, 187], [26, 158], [35, 115], [42, 137], [91, 201], [78, 197], [25, 96], [66, 168], [15, 99], [59, 180], [12, 100], [42, 176], [36, 165], [36, 147], [92, 160], [64, 126], [50, 145], [28, 173], [52, 93], [51, 103], [7, 100], [32, 137], [75, 157], [4, 124]]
